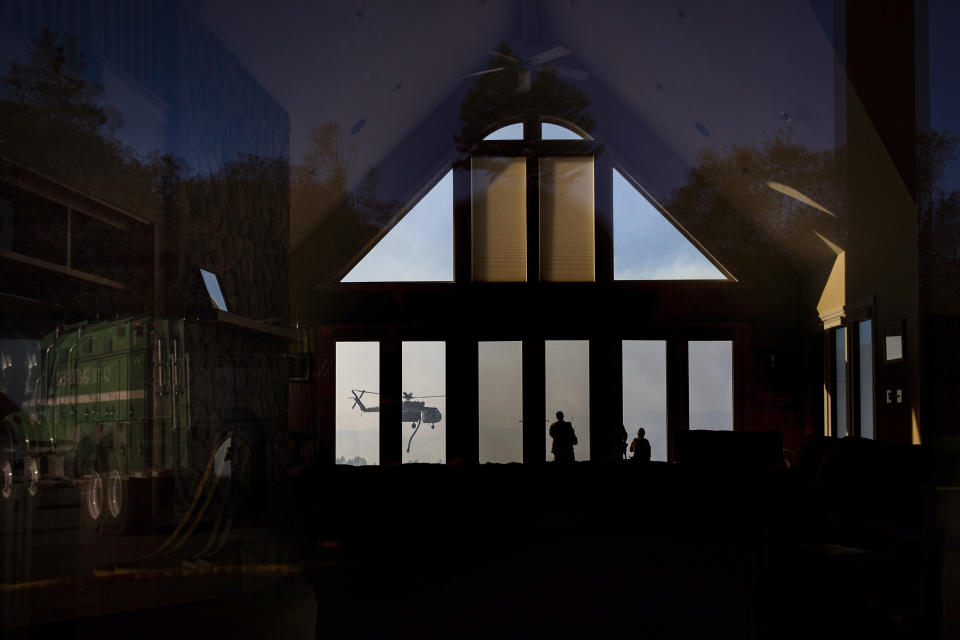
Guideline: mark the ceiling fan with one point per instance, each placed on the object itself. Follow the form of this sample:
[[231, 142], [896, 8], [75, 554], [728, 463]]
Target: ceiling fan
[[528, 65]]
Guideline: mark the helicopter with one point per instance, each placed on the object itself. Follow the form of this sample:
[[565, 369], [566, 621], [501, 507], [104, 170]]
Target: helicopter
[[413, 410]]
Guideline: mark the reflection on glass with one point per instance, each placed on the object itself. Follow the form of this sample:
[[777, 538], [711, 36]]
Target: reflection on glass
[[32, 226], [19, 371], [894, 348], [566, 220], [500, 393], [647, 246], [840, 381], [419, 248], [357, 434], [212, 283], [645, 392], [550, 131], [568, 390], [510, 132], [499, 219], [423, 377], [866, 378], [711, 384]]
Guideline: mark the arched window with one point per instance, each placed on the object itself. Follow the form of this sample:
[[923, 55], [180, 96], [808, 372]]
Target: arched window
[[509, 132], [550, 131]]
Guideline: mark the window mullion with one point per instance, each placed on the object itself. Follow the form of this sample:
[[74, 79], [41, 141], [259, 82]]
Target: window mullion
[[533, 220]]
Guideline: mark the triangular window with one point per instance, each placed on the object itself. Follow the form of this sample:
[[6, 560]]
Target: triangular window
[[647, 246], [419, 248]]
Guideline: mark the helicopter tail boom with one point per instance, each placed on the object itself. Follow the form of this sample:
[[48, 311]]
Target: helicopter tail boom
[[357, 402]]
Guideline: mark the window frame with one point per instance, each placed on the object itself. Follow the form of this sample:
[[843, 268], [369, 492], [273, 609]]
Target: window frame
[[853, 315], [533, 148]]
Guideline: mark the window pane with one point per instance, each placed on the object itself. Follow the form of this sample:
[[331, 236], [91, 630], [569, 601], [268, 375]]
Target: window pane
[[423, 378], [419, 248], [645, 392], [866, 379], [500, 388], [510, 132], [711, 384], [566, 220], [212, 285], [840, 381], [357, 434], [549, 131], [498, 208], [568, 390], [647, 246]]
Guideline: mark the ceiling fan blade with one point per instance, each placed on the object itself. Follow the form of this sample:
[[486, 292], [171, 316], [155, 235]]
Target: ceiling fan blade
[[483, 73], [575, 74], [549, 54], [502, 55]]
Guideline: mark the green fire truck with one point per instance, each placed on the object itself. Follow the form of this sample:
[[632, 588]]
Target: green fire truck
[[137, 412]]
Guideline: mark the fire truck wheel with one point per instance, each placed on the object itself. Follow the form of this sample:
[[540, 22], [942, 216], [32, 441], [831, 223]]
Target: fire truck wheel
[[93, 510], [119, 499], [7, 493], [31, 482]]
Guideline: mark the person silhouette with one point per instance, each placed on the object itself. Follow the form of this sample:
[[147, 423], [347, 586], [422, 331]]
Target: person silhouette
[[640, 447], [563, 439], [623, 442]]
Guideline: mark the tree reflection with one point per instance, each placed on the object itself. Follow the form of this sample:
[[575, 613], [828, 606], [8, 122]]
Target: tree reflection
[[52, 121], [775, 187], [329, 222], [939, 216], [789, 192], [53, 124], [495, 98]]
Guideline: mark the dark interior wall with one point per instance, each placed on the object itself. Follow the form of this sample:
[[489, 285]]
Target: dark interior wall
[[882, 252]]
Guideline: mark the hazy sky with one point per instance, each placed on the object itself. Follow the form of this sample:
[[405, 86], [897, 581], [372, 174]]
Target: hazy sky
[[568, 390], [358, 433], [423, 373], [645, 393], [711, 384], [500, 389], [646, 246]]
